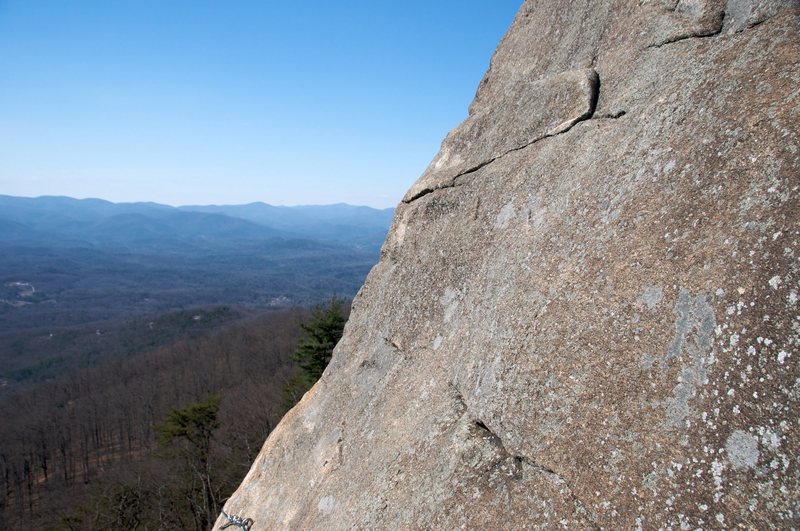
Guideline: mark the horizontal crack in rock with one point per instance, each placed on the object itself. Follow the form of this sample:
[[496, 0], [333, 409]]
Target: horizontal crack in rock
[[611, 116], [706, 34], [451, 184], [594, 95], [710, 33], [686, 36]]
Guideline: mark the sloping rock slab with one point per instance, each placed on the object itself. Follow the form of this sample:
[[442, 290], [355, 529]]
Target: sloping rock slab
[[587, 325]]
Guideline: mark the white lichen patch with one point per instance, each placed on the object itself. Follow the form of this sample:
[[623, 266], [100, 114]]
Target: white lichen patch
[[717, 468], [651, 296], [775, 282], [450, 301], [505, 216], [734, 340], [742, 449], [326, 505], [693, 345], [437, 342]]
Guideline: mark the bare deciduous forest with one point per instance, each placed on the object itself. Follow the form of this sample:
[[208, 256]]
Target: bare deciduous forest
[[146, 351], [156, 440]]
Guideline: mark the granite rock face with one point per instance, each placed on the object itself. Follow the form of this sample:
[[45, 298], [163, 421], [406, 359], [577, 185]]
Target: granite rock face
[[586, 312]]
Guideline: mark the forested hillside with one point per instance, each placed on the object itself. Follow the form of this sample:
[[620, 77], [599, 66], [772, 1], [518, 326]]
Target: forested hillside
[[88, 450], [147, 351]]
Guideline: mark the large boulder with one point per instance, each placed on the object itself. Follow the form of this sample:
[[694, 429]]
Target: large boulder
[[586, 311]]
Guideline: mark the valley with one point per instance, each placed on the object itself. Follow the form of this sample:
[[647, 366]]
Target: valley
[[116, 317], [72, 268]]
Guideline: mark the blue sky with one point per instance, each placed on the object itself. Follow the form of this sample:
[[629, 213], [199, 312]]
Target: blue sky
[[198, 102]]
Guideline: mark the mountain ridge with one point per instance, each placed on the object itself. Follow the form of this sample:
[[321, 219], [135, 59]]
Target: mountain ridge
[[93, 220], [94, 261]]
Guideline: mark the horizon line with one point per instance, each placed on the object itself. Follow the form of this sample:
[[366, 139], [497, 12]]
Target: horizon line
[[188, 205]]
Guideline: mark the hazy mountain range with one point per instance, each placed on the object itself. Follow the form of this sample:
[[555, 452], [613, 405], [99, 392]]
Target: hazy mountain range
[[64, 221], [72, 267]]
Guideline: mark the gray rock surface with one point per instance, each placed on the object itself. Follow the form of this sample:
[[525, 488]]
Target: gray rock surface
[[585, 314]]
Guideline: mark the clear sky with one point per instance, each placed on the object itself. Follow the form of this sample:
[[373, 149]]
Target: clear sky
[[198, 102]]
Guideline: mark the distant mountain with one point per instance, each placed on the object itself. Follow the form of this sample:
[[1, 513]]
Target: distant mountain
[[91, 260], [339, 222], [60, 221], [176, 228], [59, 209]]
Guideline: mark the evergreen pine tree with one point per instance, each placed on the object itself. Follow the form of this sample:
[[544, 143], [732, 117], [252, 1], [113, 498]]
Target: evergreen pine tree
[[323, 331]]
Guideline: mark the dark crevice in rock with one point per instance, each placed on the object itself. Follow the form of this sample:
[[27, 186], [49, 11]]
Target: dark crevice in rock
[[580, 507], [686, 36], [423, 192], [733, 22], [520, 460], [461, 403], [594, 96], [367, 364], [751, 25], [482, 426], [702, 34], [451, 184], [372, 363], [394, 345], [340, 443], [722, 21], [611, 116]]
